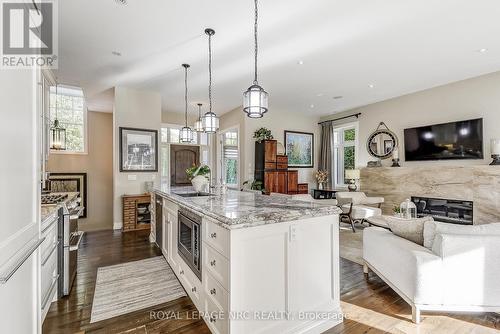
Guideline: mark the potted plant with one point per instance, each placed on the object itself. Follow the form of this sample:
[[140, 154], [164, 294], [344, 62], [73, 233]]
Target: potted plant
[[397, 211], [321, 177], [254, 185], [262, 134], [199, 176]]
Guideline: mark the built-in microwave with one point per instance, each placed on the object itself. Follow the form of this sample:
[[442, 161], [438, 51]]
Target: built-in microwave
[[189, 240]]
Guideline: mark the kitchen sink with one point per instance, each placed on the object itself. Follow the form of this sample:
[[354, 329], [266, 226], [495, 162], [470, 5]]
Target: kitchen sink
[[194, 194]]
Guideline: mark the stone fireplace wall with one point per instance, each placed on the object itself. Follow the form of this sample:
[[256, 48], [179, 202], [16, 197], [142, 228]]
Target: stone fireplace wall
[[480, 184]]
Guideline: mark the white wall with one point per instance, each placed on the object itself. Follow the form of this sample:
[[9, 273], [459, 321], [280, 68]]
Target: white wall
[[137, 109], [467, 99]]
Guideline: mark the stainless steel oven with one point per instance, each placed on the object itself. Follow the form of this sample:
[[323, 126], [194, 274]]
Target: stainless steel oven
[[189, 240]]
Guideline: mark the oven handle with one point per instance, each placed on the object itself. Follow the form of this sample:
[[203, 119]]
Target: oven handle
[[80, 236], [76, 212]]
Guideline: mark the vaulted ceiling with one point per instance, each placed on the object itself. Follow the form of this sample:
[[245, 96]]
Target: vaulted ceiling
[[316, 56]]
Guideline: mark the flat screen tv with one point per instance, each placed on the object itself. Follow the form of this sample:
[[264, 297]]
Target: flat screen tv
[[446, 141]]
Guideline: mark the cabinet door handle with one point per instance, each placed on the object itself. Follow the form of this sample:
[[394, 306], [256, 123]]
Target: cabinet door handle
[[213, 291], [193, 289], [212, 263], [213, 235]]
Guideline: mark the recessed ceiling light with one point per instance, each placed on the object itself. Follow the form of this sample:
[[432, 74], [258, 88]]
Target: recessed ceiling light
[[311, 106], [337, 97], [319, 94], [482, 50], [300, 62], [371, 85], [116, 53]]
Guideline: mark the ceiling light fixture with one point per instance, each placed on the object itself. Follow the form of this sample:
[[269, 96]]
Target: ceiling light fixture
[[300, 62], [371, 85], [319, 94], [311, 106], [210, 121], [255, 99], [482, 50], [198, 125], [57, 132], [186, 132]]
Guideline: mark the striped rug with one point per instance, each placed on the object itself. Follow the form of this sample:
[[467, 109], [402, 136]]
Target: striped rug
[[132, 286]]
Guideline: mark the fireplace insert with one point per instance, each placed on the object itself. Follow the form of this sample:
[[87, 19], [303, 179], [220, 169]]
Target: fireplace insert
[[445, 210]]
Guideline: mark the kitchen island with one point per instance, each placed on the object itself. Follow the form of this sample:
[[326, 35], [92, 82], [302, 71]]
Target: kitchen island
[[253, 263]]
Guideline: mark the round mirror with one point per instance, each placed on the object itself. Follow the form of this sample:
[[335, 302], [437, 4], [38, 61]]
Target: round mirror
[[382, 142]]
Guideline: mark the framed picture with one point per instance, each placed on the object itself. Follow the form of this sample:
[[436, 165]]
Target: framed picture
[[138, 150], [388, 146], [71, 182], [299, 147]]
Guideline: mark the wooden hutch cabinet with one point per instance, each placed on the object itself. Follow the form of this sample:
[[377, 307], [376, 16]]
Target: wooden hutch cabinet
[[272, 170]]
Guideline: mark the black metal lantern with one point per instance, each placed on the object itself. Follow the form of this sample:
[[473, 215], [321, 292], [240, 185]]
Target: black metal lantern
[[186, 131], [255, 98], [57, 133], [210, 121]]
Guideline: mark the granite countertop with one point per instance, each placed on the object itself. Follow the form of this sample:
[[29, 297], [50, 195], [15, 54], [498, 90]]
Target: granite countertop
[[237, 209], [47, 210]]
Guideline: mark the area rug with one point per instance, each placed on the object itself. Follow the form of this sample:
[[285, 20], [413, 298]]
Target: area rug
[[351, 244], [132, 286]]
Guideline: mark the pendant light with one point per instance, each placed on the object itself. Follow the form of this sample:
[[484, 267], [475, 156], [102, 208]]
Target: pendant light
[[210, 121], [255, 98], [186, 132], [57, 132], [198, 126]]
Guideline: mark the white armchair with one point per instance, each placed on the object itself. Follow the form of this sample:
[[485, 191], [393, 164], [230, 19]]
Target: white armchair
[[459, 273], [356, 206]]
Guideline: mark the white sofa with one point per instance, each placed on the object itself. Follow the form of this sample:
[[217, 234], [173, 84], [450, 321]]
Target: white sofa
[[461, 272]]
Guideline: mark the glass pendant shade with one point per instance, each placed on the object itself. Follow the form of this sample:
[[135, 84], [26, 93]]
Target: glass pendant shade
[[57, 137], [186, 135], [210, 122], [255, 101], [198, 126]]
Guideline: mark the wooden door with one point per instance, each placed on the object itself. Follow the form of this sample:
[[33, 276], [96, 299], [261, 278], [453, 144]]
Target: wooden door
[[270, 149], [293, 181], [271, 182], [282, 182], [181, 158]]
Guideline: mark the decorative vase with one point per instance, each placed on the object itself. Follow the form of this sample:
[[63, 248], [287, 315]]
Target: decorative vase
[[199, 183], [320, 185]]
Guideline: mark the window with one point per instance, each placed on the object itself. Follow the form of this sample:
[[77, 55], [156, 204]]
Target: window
[[170, 134], [344, 155], [72, 116], [229, 143]]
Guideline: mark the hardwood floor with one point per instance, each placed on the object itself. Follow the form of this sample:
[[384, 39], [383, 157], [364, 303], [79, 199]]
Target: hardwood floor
[[369, 305]]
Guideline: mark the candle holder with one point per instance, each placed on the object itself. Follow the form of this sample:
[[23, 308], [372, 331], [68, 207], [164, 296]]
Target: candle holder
[[496, 159], [395, 163]]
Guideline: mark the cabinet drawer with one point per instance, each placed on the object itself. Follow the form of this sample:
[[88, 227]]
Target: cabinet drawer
[[170, 206], [270, 165], [282, 159], [281, 166], [217, 265], [48, 272], [47, 246], [214, 290], [217, 237], [216, 318]]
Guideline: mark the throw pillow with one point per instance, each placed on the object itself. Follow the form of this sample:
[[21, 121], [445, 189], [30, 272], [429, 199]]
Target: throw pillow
[[432, 228], [409, 229]]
